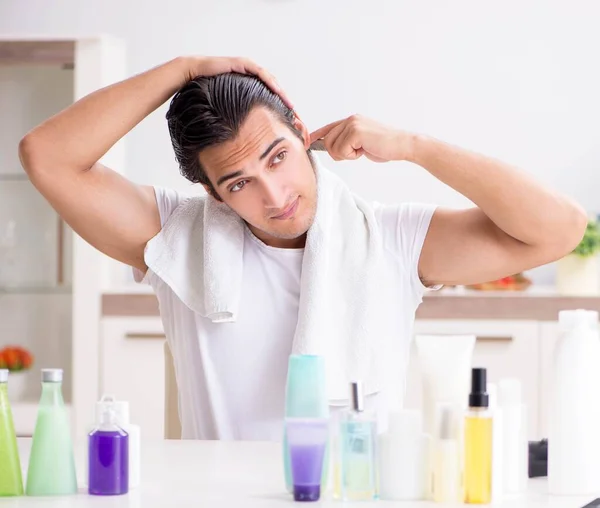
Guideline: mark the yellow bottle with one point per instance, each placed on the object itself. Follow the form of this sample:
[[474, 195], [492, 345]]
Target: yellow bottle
[[478, 443]]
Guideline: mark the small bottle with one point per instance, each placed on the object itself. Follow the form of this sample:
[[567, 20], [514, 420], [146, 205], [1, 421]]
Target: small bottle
[[108, 457], [51, 468], [478, 443], [514, 437], [446, 462], [121, 409], [305, 397], [358, 450], [497, 445], [403, 451], [11, 482]]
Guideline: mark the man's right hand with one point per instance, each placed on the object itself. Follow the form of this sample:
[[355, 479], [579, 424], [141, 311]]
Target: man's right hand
[[61, 155]]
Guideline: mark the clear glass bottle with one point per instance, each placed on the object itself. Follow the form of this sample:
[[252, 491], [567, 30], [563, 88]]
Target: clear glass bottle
[[358, 461], [11, 482], [51, 463], [478, 442]]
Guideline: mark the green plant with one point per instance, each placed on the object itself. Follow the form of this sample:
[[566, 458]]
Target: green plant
[[590, 244]]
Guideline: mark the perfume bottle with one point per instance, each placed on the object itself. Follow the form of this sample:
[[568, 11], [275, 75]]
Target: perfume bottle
[[478, 442], [357, 450]]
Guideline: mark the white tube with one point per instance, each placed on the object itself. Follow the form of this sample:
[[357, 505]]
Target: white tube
[[445, 364]]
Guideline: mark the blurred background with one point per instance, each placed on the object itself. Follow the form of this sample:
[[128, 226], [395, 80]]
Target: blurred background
[[515, 80]]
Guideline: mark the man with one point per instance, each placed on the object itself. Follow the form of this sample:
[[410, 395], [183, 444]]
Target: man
[[246, 145]]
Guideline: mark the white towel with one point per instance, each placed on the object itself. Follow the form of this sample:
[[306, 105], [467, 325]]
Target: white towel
[[343, 301]]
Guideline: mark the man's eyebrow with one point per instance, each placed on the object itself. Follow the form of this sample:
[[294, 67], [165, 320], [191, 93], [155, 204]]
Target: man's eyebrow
[[271, 146], [229, 176], [239, 172]]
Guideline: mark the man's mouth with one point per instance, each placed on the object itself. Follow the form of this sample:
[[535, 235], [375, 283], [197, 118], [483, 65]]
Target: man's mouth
[[289, 211]]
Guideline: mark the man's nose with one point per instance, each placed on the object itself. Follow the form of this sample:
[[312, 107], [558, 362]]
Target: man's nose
[[274, 195]]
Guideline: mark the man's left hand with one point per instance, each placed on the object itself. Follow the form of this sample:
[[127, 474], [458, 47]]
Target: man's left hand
[[356, 136]]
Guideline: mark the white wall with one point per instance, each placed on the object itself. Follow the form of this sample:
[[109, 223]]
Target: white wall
[[516, 80]]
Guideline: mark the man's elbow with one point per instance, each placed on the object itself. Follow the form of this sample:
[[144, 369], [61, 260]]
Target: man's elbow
[[28, 154], [569, 232]]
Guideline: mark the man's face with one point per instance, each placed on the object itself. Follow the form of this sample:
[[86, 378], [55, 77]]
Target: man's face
[[266, 177]]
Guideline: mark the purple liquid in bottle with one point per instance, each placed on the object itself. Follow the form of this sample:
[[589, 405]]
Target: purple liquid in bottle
[[307, 467], [108, 462]]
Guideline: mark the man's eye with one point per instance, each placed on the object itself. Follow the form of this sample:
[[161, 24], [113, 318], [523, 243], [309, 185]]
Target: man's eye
[[238, 186], [280, 157]]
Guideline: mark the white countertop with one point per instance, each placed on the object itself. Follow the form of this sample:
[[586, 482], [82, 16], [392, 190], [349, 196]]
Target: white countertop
[[228, 474]]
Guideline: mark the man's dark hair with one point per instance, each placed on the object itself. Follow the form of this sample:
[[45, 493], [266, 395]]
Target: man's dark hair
[[210, 110]]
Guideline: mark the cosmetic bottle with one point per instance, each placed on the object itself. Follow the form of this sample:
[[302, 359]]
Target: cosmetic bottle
[[358, 460], [108, 457], [515, 453], [307, 441], [574, 419], [51, 469], [11, 482], [478, 442], [497, 444], [305, 397], [447, 476]]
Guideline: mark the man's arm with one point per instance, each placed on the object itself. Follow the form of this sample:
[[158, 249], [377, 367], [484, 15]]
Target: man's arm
[[517, 223], [61, 156]]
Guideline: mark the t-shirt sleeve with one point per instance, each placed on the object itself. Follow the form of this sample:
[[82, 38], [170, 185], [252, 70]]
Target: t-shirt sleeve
[[167, 200], [404, 228]]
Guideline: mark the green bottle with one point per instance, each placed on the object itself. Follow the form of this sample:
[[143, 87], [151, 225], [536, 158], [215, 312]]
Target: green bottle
[[11, 482], [51, 463]]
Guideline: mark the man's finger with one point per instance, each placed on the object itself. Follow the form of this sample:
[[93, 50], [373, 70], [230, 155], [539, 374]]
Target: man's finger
[[323, 131]]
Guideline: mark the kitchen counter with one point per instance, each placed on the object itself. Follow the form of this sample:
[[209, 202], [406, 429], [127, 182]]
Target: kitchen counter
[[223, 474], [536, 303]]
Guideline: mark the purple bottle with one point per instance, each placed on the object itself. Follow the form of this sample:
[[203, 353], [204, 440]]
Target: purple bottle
[[108, 457]]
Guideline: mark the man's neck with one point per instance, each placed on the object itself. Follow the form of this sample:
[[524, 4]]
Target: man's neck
[[279, 243]]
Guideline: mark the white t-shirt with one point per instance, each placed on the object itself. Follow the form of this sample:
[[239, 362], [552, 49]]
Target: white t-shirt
[[231, 376]]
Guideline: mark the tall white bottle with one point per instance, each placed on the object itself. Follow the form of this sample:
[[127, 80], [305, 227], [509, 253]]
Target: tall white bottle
[[515, 453], [574, 419]]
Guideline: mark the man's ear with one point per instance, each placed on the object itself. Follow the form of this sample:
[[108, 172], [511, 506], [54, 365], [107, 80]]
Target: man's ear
[[301, 126]]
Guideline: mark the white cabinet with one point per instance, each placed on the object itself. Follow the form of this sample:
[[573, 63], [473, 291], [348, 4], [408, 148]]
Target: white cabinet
[[50, 278], [504, 348], [132, 367]]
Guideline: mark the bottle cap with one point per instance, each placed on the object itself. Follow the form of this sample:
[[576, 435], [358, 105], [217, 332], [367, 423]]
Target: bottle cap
[[569, 319], [120, 408], [478, 396], [307, 492], [509, 392], [52, 375], [3, 375], [356, 396]]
